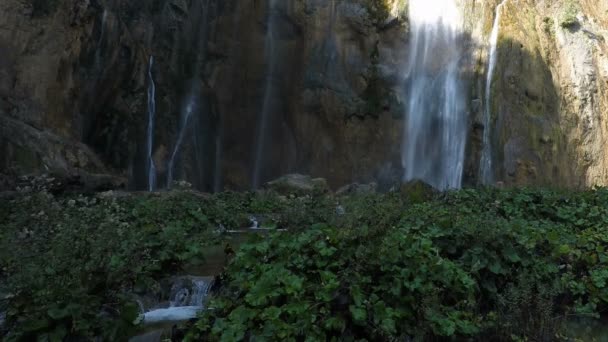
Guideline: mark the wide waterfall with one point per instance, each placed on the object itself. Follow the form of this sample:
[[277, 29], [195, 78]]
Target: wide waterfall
[[436, 122], [262, 128], [150, 167], [486, 170]]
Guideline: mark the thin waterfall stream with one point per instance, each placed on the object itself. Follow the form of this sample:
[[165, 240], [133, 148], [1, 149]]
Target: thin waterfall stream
[[192, 102], [435, 127], [486, 170], [102, 33], [262, 128], [151, 168], [185, 119]]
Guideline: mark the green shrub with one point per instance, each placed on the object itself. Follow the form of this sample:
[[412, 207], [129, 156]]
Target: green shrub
[[483, 265], [72, 264], [466, 265]]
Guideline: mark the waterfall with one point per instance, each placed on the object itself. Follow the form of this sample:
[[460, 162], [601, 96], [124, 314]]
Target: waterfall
[[435, 126], [151, 168], [192, 101], [486, 172], [187, 110], [102, 32], [262, 128], [104, 18]]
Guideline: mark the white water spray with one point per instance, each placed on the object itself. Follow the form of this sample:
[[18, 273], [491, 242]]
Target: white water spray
[[486, 170], [270, 53], [151, 168], [436, 125]]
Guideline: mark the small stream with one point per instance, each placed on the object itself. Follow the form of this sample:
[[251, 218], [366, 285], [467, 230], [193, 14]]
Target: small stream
[[188, 297], [189, 294]]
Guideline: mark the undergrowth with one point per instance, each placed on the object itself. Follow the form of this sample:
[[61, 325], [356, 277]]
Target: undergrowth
[[500, 265], [475, 264]]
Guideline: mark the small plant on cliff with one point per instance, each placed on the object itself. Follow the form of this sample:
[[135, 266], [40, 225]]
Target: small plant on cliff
[[568, 18], [378, 10]]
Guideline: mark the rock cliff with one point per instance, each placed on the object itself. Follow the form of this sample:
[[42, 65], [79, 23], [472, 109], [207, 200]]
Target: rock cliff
[[73, 79]]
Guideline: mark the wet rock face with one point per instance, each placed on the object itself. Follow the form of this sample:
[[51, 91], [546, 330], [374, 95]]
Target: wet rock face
[[549, 97], [73, 79], [79, 71], [334, 113]]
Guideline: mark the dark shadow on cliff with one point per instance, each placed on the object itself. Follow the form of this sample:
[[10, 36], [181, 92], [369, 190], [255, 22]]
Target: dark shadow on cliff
[[529, 145]]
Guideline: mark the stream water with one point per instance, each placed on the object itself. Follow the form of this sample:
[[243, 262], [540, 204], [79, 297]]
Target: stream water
[[189, 294], [188, 297]]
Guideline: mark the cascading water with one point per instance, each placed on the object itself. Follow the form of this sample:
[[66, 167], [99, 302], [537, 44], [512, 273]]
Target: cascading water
[[262, 128], [193, 295], [436, 124], [186, 301], [486, 171], [150, 167]]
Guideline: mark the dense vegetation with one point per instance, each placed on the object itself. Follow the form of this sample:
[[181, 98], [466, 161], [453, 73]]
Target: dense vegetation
[[479, 264]]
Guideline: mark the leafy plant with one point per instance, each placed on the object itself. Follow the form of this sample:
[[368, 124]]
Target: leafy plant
[[481, 264], [475, 264]]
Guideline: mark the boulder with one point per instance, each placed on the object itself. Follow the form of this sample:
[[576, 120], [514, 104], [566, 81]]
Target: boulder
[[356, 188], [417, 191], [79, 181], [297, 184]]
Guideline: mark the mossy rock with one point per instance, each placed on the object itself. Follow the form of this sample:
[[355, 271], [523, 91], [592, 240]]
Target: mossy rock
[[296, 184], [417, 191]]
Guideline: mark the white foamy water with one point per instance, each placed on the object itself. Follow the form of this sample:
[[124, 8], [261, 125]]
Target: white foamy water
[[172, 314]]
